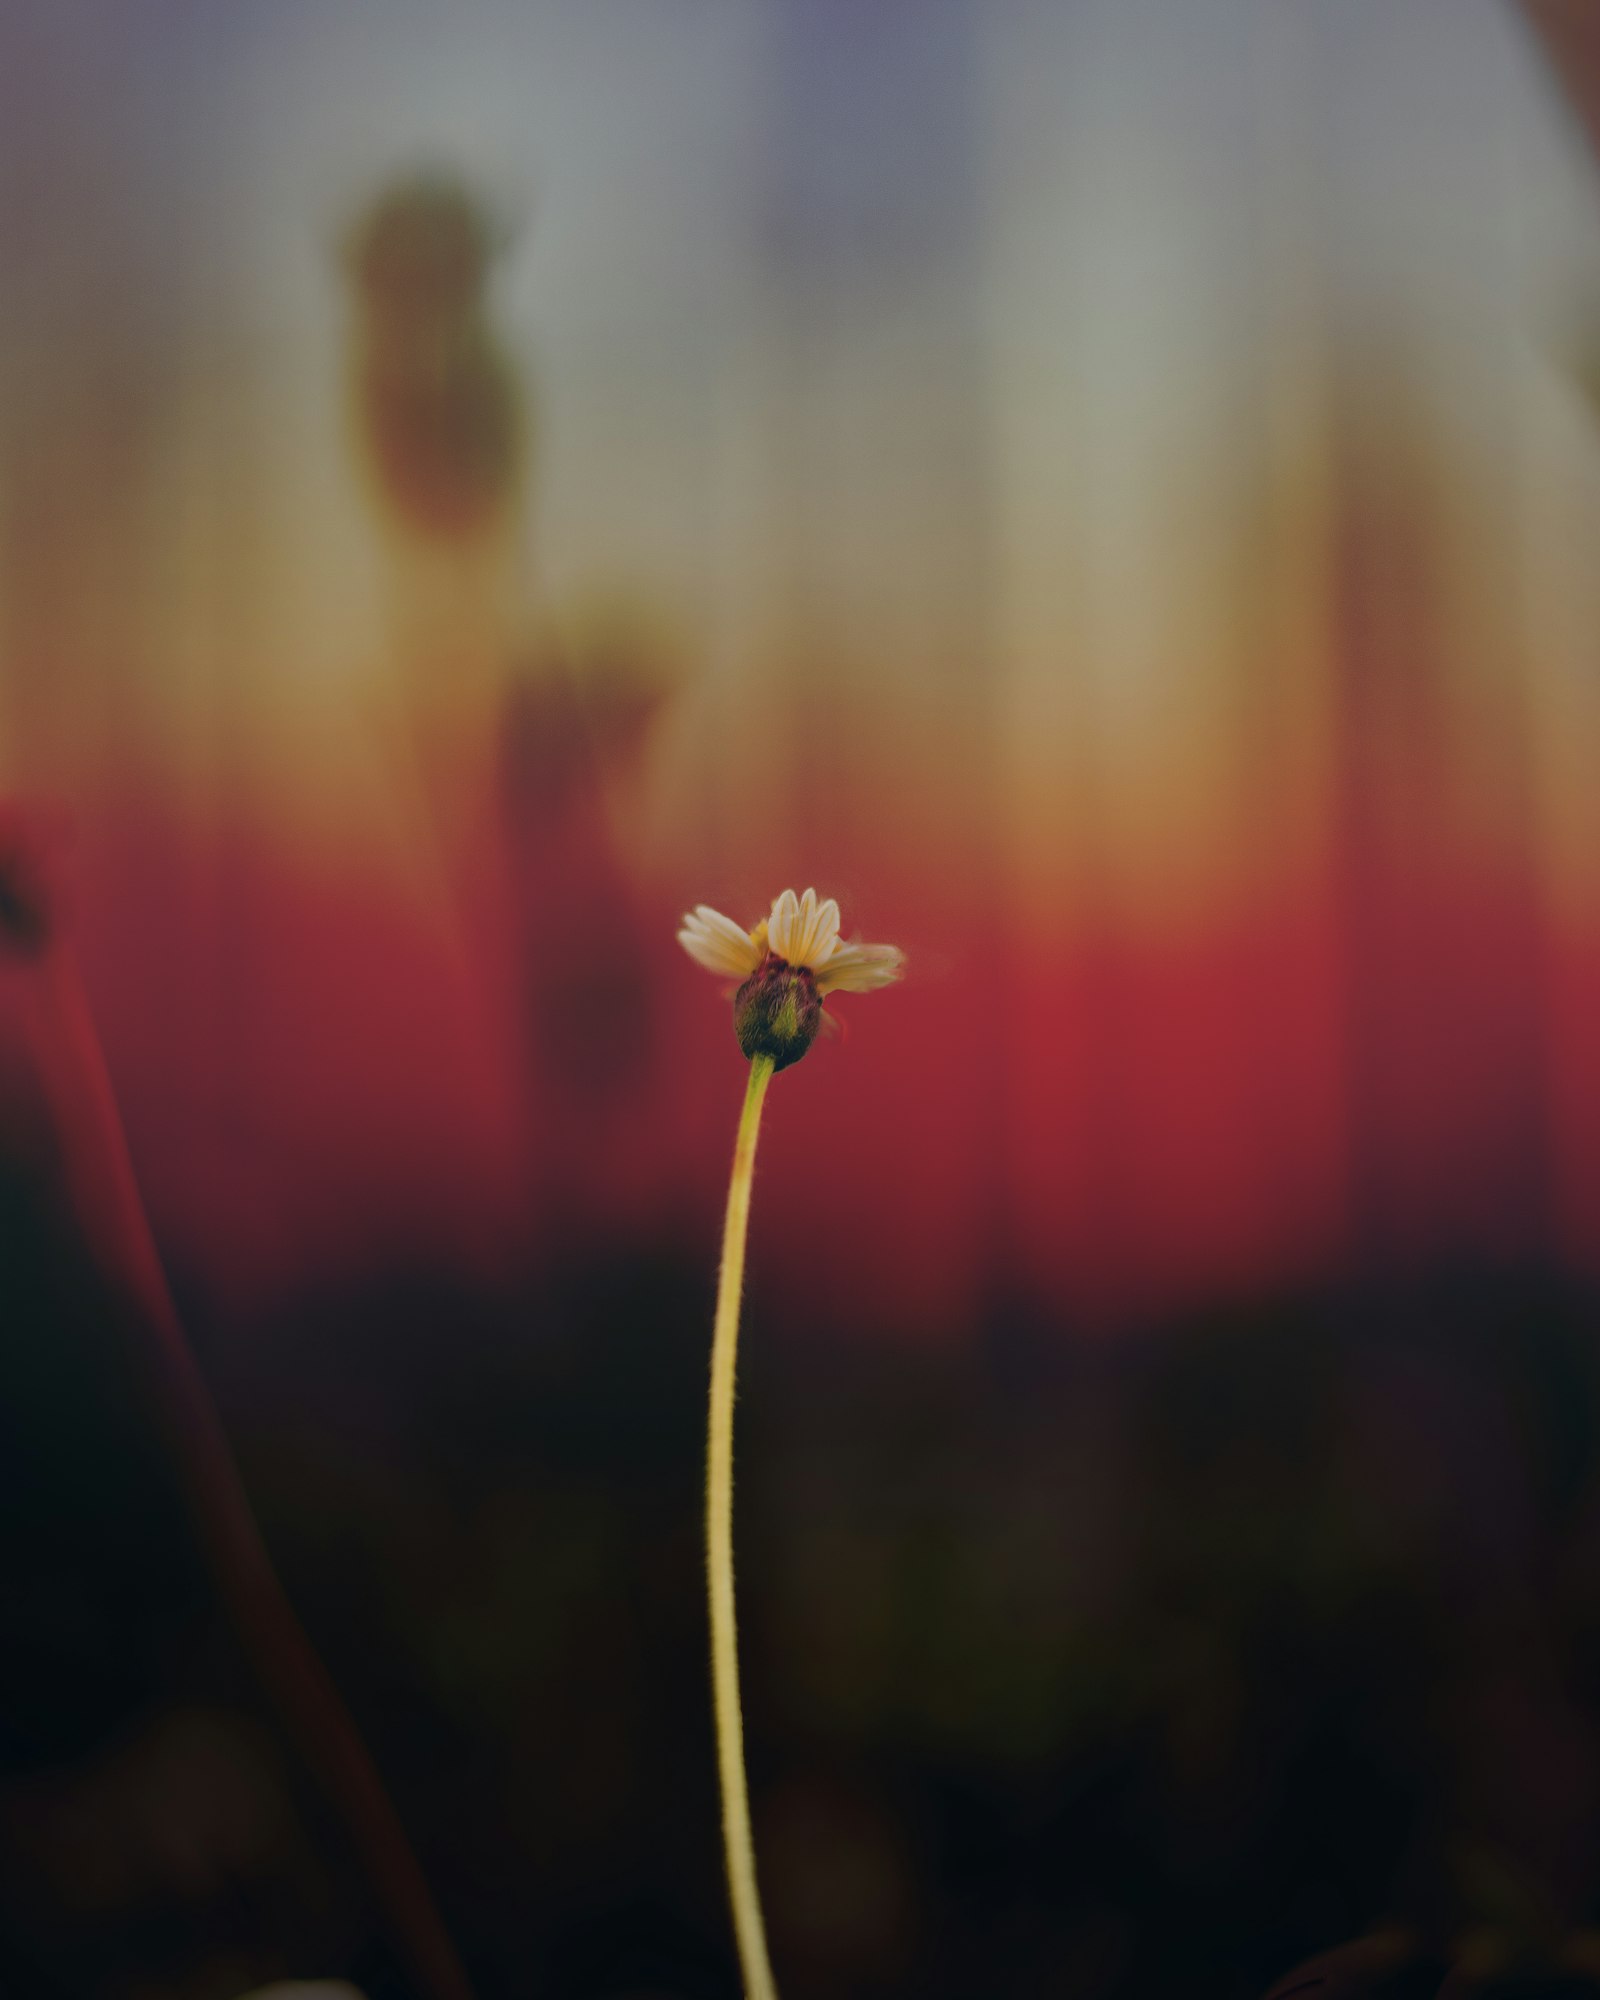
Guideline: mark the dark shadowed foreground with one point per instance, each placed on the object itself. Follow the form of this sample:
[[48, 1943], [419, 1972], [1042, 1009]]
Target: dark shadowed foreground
[[1068, 1670]]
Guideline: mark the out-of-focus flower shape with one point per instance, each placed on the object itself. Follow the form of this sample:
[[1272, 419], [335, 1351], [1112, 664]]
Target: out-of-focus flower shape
[[28, 899], [316, 1989], [788, 964]]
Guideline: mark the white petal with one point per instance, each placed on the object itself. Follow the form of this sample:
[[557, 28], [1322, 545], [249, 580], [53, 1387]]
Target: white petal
[[803, 930], [781, 924], [861, 968], [718, 943], [805, 923], [818, 947]]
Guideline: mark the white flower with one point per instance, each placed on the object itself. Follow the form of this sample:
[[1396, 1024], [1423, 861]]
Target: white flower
[[803, 933]]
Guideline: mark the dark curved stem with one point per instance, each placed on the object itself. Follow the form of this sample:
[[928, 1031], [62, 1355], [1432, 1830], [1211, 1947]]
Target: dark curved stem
[[104, 1199]]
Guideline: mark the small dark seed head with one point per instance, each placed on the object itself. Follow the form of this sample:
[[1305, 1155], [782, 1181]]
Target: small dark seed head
[[776, 1012]]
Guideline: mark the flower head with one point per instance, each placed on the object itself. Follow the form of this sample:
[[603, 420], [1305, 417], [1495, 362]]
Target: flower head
[[788, 965]]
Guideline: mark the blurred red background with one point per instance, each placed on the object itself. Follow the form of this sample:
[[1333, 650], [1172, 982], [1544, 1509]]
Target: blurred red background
[[1106, 492]]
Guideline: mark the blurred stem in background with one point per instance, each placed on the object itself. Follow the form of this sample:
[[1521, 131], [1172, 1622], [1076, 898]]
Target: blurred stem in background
[[103, 1198], [1570, 33], [747, 1924]]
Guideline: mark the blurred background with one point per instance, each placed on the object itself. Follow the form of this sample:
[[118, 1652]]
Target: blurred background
[[1108, 489]]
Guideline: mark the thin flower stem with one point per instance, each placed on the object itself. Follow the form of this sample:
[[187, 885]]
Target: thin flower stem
[[747, 1925]]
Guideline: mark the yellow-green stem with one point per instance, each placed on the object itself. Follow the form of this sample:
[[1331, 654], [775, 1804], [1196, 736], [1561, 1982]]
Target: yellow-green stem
[[747, 1925]]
